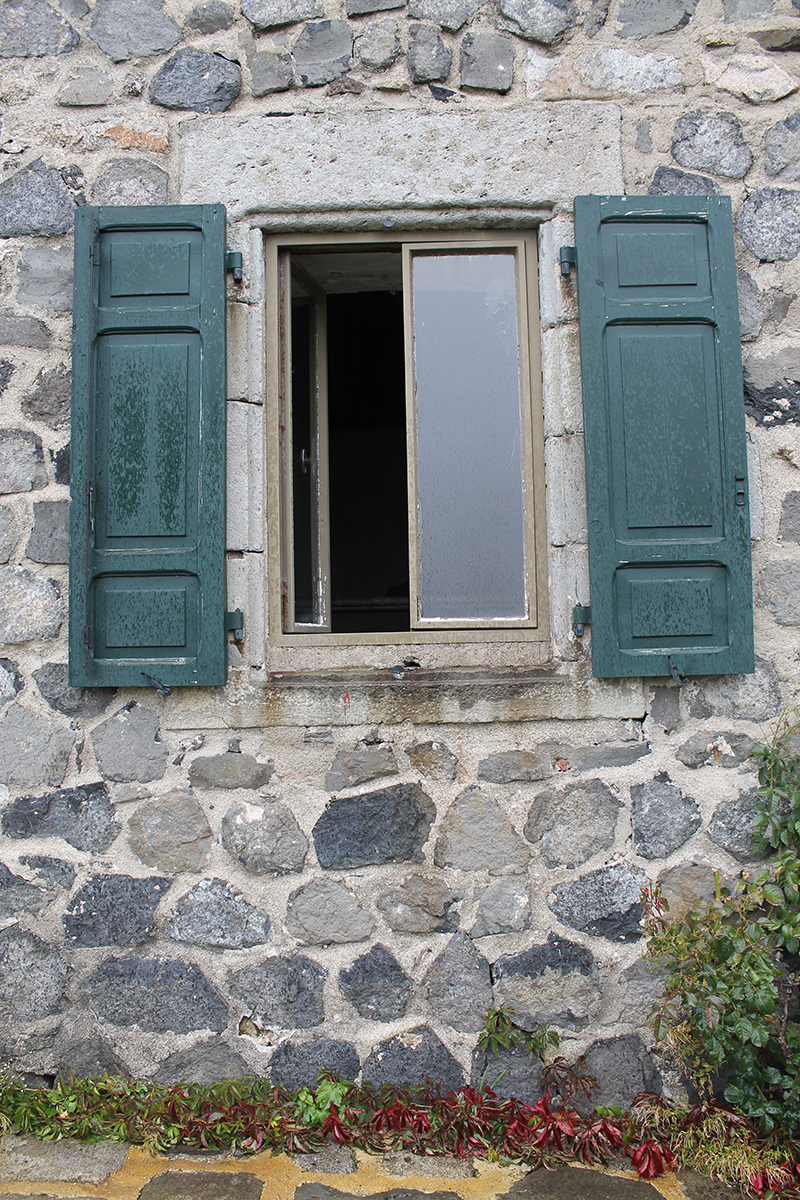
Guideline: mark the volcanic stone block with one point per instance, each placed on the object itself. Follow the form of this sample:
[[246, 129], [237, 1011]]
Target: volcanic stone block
[[668, 181], [210, 17], [45, 278], [505, 907], [419, 904], [379, 44], [205, 1062], [49, 541], [477, 835], [604, 902], [202, 1185], [17, 895], [51, 680], [754, 697], [230, 770], [32, 749], [435, 759], [450, 14], [732, 826], [770, 224], [663, 818], [171, 833], [622, 1068], [511, 766], [89, 1058], [128, 746], [126, 29], [264, 838], [49, 399], [376, 985], [552, 984], [270, 73], [638, 18], [782, 149], [21, 462], [160, 995], [214, 914], [412, 1058], [542, 21], [113, 910], [131, 181], [571, 826], [297, 1063], [283, 992], [85, 88], [83, 816], [388, 825], [51, 870], [270, 14], [727, 749], [197, 81], [353, 767], [32, 976], [32, 29], [712, 142], [35, 201], [458, 986], [322, 52], [429, 59], [323, 912], [487, 61], [508, 1072]]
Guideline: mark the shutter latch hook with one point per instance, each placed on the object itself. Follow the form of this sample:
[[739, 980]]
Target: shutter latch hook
[[675, 673], [160, 687]]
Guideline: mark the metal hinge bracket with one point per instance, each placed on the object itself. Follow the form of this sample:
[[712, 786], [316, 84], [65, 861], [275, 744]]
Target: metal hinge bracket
[[235, 621], [581, 615], [233, 262], [569, 257]]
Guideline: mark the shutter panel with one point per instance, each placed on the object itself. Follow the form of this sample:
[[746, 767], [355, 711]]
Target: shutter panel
[[666, 461], [147, 534]]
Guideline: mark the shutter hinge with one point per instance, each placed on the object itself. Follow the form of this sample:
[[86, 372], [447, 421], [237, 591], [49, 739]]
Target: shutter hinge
[[581, 615], [90, 505], [235, 621], [233, 262], [569, 256], [740, 496]]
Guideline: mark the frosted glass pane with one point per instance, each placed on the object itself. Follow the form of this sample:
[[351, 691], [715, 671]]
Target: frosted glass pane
[[466, 357]]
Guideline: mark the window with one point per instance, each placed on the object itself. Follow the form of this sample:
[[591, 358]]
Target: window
[[406, 435]]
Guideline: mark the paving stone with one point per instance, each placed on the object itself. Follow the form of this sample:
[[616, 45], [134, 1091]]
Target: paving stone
[[215, 914], [202, 1185], [770, 224], [49, 399], [131, 181], [32, 749], [89, 1058], [542, 21], [604, 903], [458, 986], [52, 682], [615, 70], [126, 29], [513, 765], [83, 816], [84, 88], [170, 833], [570, 826], [295, 1064], [35, 201], [754, 697], [419, 904], [782, 149], [127, 746], [410, 1059], [322, 52], [732, 826], [778, 582], [686, 886], [669, 181], [270, 14], [113, 910], [196, 81], [727, 749], [321, 1191], [376, 985], [49, 541], [359, 765], [32, 977], [17, 895], [282, 992], [270, 73], [428, 57], [210, 17], [30, 606], [712, 142], [230, 770], [663, 818], [264, 838], [324, 912], [21, 462], [622, 1068], [638, 18], [28, 1158], [487, 61], [29, 332], [433, 1166], [450, 14], [505, 907], [388, 825], [552, 984], [160, 995], [513, 1072], [700, 1187], [644, 987], [205, 1062], [45, 278], [331, 1160], [434, 759], [32, 29], [51, 870], [477, 835]]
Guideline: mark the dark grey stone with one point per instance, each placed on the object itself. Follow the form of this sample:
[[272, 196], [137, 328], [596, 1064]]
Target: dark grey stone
[[160, 995], [210, 17], [83, 816], [128, 746], [49, 399], [295, 1064], [321, 1191], [773, 403], [728, 749], [376, 985], [49, 541], [542, 21], [604, 903], [7, 369], [513, 1072], [89, 1058], [205, 1062], [264, 838], [712, 142], [322, 52], [51, 870], [325, 912], [45, 278], [567, 1183], [419, 904], [622, 1068], [789, 530], [754, 697], [477, 835], [665, 708], [433, 759], [663, 818], [12, 680], [732, 826], [270, 73], [411, 1059], [638, 18], [552, 984], [450, 14], [428, 57], [570, 826], [215, 914], [782, 149], [458, 987], [752, 307], [32, 29], [113, 910], [17, 895], [85, 88], [778, 581], [388, 825], [511, 766], [353, 767], [487, 61], [131, 181], [356, 8], [9, 534], [770, 224], [669, 181], [196, 81], [505, 907], [607, 754], [51, 680], [170, 833], [35, 201], [644, 142], [126, 29], [62, 462], [22, 466], [32, 976], [230, 770], [33, 750], [270, 14], [282, 992], [29, 332], [202, 1185]]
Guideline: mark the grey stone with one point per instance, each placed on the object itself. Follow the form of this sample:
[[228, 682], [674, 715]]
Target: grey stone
[[331, 1160], [376, 985], [32, 29], [571, 826], [11, 682], [782, 149], [316, 737], [32, 976], [320, 1191], [596, 19], [686, 886], [9, 535], [428, 57], [450, 14], [404, 1163], [712, 142], [458, 987], [433, 759], [205, 1062], [419, 904], [35, 201], [7, 369], [83, 816], [611, 69], [388, 825], [160, 995], [62, 461], [778, 582], [230, 770], [52, 870], [727, 749], [45, 278], [638, 18], [789, 529], [604, 903], [196, 81], [113, 910], [270, 73], [126, 29], [30, 607], [17, 895], [487, 61], [552, 984], [663, 818], [322, 52], [65, 1161], [542, 21], [505, 907], [75, 8], [744, 10], [131, 181], [771, 388], [49, 542], [282, 992], [127, 746], [170, 833], [754, 697], [49, 400], [85, 88], [770, 224], [202, 1185], [89, 1058], [607, 754], [410, 1059], [297, 1063], [732, 825], [509, 1073], [29, 332], [513, 765], [644, 142], [352, 767], [622, 1068], [51, 680], [478, 836], [32, 749], [665, 708], [356, 8], [21, 462], [264, 838], [214, 914], [669, 181], [752, 313], [210, 17], [324, 912], [643, 984], [270, 14]]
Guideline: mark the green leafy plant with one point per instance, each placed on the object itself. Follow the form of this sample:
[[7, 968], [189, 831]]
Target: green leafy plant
[[501, 1033]]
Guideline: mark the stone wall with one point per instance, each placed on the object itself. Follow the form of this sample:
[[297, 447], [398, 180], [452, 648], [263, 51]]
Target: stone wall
[[348, 870]]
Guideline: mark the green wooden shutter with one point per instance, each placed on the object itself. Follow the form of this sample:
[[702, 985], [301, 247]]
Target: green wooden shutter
[[147, 563], [666, 460]]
